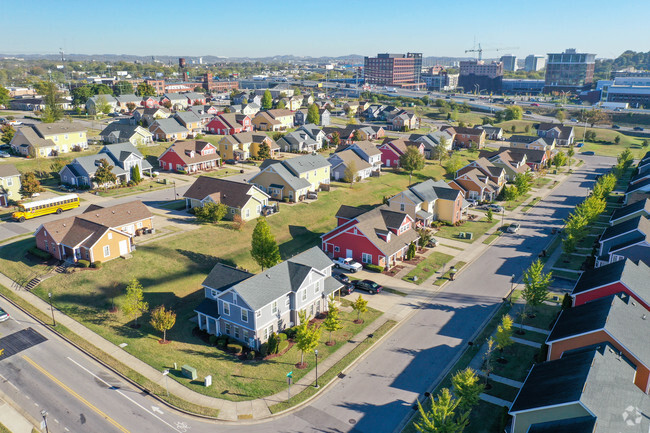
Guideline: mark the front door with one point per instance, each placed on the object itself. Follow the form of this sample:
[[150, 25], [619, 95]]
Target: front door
[[124, 248], [348, 254]]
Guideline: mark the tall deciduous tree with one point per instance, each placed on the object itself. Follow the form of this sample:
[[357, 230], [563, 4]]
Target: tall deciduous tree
[[281, 104], [145, 89], [4, 96], [102, 105], [104, 174], [29, 185], [52, 111], [123, 88], [264, 151], [134, 304], [163, 320], [267, 100], [350, 172], [356, 135], [313, 114], [467, 388], [569, 154], [336, 140], [536, 283], [559, 159], [411, 160], [454, 164], [442, 417], [264, 248], [440, 151], [8, 133], [360, 305], [522, 182]]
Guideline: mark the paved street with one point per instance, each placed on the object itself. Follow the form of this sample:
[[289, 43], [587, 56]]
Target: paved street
[[375, 395]]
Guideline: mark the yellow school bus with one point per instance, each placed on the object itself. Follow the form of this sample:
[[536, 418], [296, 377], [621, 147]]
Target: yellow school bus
[[43, 207]]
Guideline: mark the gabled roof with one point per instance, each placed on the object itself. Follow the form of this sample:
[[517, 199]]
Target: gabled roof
[[223, 277], [45, 129], [287, 176], [349, 212], [281, 112], [349, 157], [310, 129], [298, 137], [533, 156], [187, 117], [193, 96], [183, 147], [250, 137], [175, 97], [8, 170], [637, 186], [639, 206], [585, 424], [368, 147], [123, 131], [232, 120], [129, 97], [228, 192], [634, 276], [274, 283], [304, 163], [431, 190], [468, 131], [565, 130], [89, 164], [170, 126], [640, 224], [621, 317]]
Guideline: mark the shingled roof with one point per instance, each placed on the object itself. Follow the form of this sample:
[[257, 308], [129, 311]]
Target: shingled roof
[[634, 276], [231, 193]]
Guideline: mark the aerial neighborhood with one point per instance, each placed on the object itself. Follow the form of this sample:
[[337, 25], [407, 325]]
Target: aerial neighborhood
[[475, 231]]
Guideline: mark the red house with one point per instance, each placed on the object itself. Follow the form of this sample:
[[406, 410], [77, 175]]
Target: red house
[[190, 156], [379, 237], [622, 276], [150, 102], [229, 124], [391, 150]]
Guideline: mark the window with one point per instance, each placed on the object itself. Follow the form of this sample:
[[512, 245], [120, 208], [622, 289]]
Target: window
[[232, 210], [287, 302], [244, 334], [366, 258], [47, 246], [139, 225], [402, 207], [258, 313], [337, 249], [259, 209], [107, 251], [274, 307], [248, 213], [81, 135], [317, 287], [304, 295], [236, 332], [110, 235], [66, 136], [213, 293], [269, 330], [227, 328], [226, 308], [10, 181], [244, 315]]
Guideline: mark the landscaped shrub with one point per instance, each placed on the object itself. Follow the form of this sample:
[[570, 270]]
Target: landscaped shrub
[[250, 355], [282, 346], [83, 263], [273, 343], [235, 348], [213, 339], [96, 265], [282, 336], [264, 349], [40, 253], [290, 332], [374, 268], [222, 341]]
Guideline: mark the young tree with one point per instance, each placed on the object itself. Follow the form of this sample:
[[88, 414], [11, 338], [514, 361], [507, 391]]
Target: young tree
[[490, 215], [569, 154], [104, 174], [8, 133], [513, 129], [313, 114], [442, 417], [134, 304], [145, 89], [163, 320], [4, 96], [211, 212], [336, 140], [559, 159], [264, 248], [135, 174], [123, 88], [52, 111], [527, 129], [332, 322], [454, 164], [356, 135], [264, 151], [617, 139], [281, 104], [102, 105], [267, 100], [522, 182], [350, 172], [440, 151], [425, 236], [560, 116], [307, 338], [29, 185], [503, 336], [536, 284], [168, 105], [645, 143], [510, 193], [411, 160], [487, 359], [360, 306], [467, 388], [130, 106]]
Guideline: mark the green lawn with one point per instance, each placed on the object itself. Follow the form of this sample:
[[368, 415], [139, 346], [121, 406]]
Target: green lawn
[[445, 276], [174, 205], [500, 390], [427, 267], [541, 182], [478, 228], [485, 418], [520, 358], [532, 203], [570, 261], [537, 337], [222, 172], [492, 237], [545, 315], [514, 204]]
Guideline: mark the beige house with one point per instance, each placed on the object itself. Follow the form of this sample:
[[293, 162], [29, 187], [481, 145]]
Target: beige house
[[49, 139], [242, 199], [264, 122], [9, 184], [245, 145], [429, 201]]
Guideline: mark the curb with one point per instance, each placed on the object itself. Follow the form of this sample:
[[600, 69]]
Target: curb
[[4, 397]]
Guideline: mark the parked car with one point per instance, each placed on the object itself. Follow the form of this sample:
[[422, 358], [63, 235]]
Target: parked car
[[616, 127], [342, 278], [534, 104], [347, 289], [513, 228], [268, 210], [638, 128], [3, 315], [588, 153], [495, 208], [312, 195], [472, 202], [14, 122], [347, 264], [433, 242], [368, 286], [529, 112], [4, 154], [230, 161]]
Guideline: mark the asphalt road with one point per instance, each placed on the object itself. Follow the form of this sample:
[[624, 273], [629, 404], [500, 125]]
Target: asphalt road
[[80, 395]]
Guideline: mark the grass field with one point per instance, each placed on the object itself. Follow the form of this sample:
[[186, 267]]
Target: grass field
[[478, 228], [520, 357], [446, 275], [427, 267]]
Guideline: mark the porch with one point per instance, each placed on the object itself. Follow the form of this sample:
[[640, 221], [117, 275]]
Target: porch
[[202, 166]]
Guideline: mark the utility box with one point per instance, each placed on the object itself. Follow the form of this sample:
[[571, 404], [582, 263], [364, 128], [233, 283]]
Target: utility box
[[208, 381], [189, 372], [469, 235]]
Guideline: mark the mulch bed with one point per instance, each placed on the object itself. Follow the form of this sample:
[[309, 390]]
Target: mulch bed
[[161, 341], [275, 355], [393, 271], [415, 260]]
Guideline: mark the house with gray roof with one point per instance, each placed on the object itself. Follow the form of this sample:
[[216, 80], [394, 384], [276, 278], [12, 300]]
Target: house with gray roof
[[638, 187], [432, 140], [629, 239], [585, 391], [177, 100], [122, 156], [631, 211], [299, 141], [119, 132], [249, 308], [430, 201], [348, 163], [95, 103], [168, 130], [314, 131]]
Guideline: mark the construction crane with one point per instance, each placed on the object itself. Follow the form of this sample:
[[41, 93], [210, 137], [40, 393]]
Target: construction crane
[[480, 50]]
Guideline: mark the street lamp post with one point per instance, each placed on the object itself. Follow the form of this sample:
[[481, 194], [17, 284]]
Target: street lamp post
[[165, 373], [316, 356], [49, 295], [503, 216], [44, 414], [512, 288]]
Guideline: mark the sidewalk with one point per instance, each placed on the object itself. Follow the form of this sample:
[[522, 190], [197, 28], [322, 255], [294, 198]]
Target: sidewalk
[[14, 418]]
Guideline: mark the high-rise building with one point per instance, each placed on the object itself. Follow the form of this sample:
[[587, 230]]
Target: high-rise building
[[534, 62], [477, 75], [393, 69], [181, 62], [509, 62], [569, 71]]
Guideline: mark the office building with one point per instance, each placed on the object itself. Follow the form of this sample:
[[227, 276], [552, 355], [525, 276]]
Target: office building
[[534, 62], [399, 70], [477, 76], [569, 71], [522, 86], [509, 62], [441, 81], [626, 88]]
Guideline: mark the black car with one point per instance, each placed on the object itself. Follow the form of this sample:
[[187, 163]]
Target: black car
[[347, 289], [638, 128], [343, 278], [616, 127], [367, 285]]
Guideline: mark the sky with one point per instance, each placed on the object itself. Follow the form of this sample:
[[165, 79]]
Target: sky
[[256, 28]]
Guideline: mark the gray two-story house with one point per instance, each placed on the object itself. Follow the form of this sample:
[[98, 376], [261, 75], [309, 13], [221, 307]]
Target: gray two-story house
[[249, 308], [369, 152]]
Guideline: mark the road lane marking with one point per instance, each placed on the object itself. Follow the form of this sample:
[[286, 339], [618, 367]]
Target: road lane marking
[[74, 394], [15, 387], [3, 378], [15, 320], [124, 395]]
